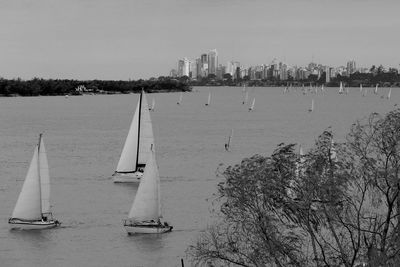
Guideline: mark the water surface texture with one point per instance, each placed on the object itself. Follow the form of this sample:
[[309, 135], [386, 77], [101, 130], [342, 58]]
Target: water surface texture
[[84, 136]]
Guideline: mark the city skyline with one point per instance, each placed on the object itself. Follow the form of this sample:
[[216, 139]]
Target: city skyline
[[142, 39]]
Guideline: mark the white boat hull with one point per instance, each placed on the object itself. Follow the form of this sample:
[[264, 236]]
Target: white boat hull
[[147, 228], [33, 225], [127, 177]]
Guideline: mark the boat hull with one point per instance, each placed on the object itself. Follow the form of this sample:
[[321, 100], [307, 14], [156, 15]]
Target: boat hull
[[33, 225], [127, 177], [147, 228]]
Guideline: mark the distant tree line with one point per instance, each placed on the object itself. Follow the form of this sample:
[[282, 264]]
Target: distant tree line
[[37, 86], [376, 75]]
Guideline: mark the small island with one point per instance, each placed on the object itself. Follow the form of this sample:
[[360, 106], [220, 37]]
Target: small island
[[52, 87]]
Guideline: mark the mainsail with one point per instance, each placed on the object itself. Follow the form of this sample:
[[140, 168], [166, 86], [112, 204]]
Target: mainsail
[[140, 139], [28, 205], [146, 143]]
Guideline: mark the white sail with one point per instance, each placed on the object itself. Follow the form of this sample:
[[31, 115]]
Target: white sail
[[147, 205], [127, 161], [361, 87], [246, 97], [390, 93], [28, 205], [153, 103], [146, 141], [44, 177], [230, 138], [228, 143], [376, 89], [180, 98], [341, 88], [252, 104], [312, 106], [209, 99]]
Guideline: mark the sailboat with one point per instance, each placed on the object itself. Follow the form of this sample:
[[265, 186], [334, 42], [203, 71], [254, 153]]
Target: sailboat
[[341, 88], [228, 143], [246, 97], [209, 99], [153, 103], [389, 94], [180, 99], [311, 109], [32, 210], [376, 89], [138, 145], [145, 213], [361, 88], [252, 104]]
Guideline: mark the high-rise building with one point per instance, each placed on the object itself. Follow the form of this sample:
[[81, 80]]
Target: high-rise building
[[183, 67], [212, 61], [351, 67], [193, 69]]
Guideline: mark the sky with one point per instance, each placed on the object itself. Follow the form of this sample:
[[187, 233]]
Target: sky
[[139, 39]]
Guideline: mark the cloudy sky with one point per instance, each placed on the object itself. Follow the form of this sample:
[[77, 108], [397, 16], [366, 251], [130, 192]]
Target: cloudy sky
[[132, 39]]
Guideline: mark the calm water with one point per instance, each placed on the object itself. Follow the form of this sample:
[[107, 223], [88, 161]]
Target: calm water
[[84, 136]]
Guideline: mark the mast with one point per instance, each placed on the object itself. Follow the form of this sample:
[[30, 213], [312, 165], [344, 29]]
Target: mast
[[40, 182], [138, 138]]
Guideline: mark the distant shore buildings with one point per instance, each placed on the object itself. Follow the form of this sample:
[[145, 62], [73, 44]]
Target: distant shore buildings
[[207, 65]]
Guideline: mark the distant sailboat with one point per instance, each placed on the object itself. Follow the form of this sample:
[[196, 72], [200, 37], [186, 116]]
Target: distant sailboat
[[341, 88], [32, 210], [376, 89], [228, 143], [311, 109], [145, 213], [322, 88], [153, 103], [389, 94], [180, 99], [209, 99], [252, 104], [138, 145], [245, 97], [361, 88]]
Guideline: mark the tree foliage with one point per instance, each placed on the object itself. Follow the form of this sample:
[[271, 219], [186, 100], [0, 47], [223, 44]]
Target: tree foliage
[[37, 86], [337, 205]]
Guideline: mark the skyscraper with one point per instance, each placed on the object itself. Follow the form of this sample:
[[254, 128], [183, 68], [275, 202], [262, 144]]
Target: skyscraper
[[351, 67], [212, 62], [183, 67]]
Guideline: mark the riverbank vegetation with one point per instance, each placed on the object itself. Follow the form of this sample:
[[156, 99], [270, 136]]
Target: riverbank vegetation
[[336, 205], [36, 86]]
